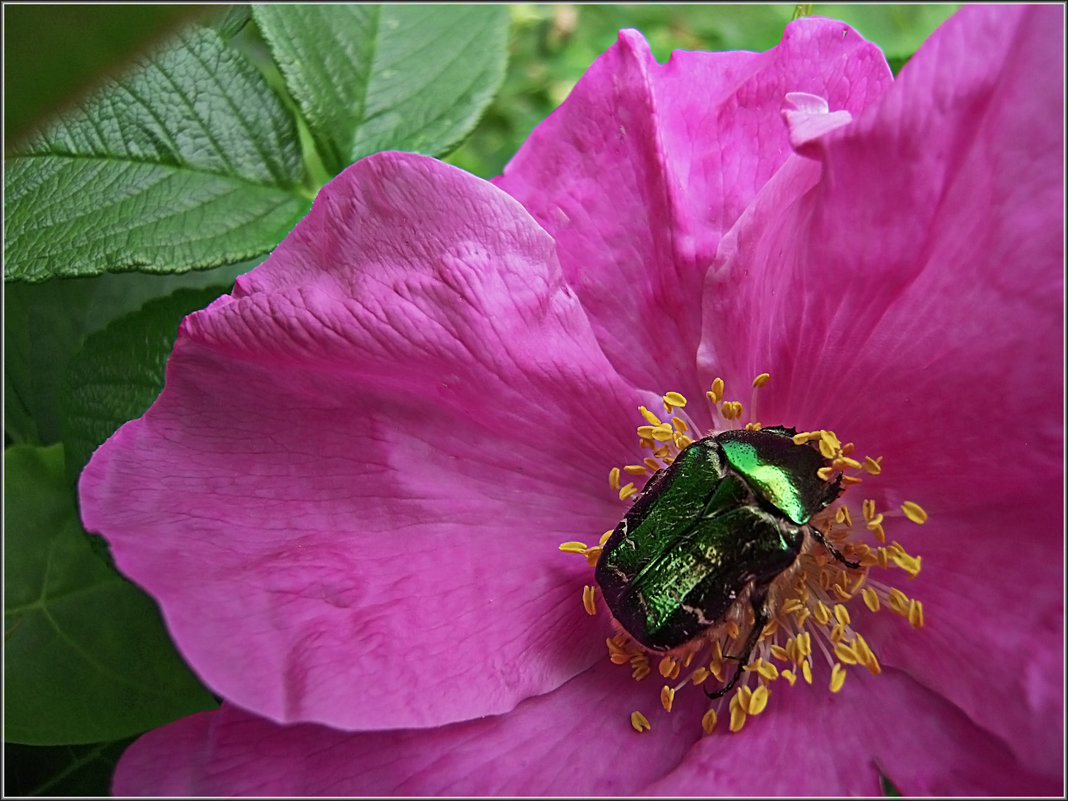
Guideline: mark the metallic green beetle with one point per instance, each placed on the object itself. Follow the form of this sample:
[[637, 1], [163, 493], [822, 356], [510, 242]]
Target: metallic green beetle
[[730, 513]]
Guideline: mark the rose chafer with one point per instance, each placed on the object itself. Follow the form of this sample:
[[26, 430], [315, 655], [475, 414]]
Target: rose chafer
[[730, 514]]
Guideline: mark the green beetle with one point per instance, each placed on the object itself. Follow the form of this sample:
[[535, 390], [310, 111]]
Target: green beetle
[[730, 513]]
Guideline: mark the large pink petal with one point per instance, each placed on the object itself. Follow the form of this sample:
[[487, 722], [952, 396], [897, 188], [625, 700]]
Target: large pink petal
[[906, 291], [811, 743], [576, 741], [348, 498], [645, 166]]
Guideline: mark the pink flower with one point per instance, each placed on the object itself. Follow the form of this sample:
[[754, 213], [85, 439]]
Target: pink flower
[[349, 497]]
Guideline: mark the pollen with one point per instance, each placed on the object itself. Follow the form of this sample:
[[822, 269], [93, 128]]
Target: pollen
[[814, 611]]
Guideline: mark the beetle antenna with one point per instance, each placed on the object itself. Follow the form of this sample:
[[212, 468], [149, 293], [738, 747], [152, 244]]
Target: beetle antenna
[[831, 549]]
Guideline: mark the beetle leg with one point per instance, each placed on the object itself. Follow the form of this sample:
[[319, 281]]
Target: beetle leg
[[831, 549], [760, 620]]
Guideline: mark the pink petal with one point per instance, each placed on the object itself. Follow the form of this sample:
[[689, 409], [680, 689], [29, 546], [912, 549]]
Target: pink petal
[[910, 297], [349, 497], [810, 743], [575, 741], [645, 166]]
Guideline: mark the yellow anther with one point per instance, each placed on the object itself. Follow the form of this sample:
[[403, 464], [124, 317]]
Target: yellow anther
[[845, 653], [626, 491], [910, 564], [878, 532], [802, 616], [837, 633], [850, 480], [688, 658], [680, 425], [805, 436], [613, 478], [588, 600], [804, 640], [738, 716], [842, 462], [663, 433], [651, 463], [668, 666], [761, 380], [806, 671], [899, 602], [792, 605], [573, 547], [645, 432], [821, 613], [742, 697], [648, 415], [841, 516], [661, 452], [779, 653], [606, 535], [753, 426], [841, 614], [674, 399], [593, 555], [635, 469], [682, 441], [875, 520], [840, 593], [866, 656], [700, 675], [768, 671], [759, 700], [790, 676], [869, 508], [619, 658], [825, 473], [870, 599], [837, 677], [873, 466], [728, 410], [732, 630], [667, 697], [717, 390], [709, 720], [770, 629], [639, 722], [915, 614], [639, 672], [616, 647], [914, 512]]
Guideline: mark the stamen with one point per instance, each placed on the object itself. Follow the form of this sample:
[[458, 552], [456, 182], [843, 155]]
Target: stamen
[[613, 479], [588, 600], [648, 415], [639, 722], [708, 722], [573, 547], [626, 491], [837, 677], [674, 399], [667, 697], [759, 699], [914, 512], [761, 380]]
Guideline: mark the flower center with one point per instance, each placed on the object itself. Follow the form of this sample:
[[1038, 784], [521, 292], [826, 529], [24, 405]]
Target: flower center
[[735, 567]]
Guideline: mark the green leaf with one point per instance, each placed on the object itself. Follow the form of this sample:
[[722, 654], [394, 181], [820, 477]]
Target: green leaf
[[899, 29], [190, 161], [62, 770], [46, 323], [375, 77], [118, 373], [86, 656]]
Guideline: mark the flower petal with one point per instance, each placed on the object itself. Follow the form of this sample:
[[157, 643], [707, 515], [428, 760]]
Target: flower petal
[[644, 167], [349, 497], [911, 299], [575, 741], [931, 230], [809, 743]]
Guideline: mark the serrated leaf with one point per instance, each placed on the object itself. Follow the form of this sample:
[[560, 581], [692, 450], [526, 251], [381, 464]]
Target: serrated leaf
[[375, 77], [190, 161], [86, 656], [119, 371], [46, 323]]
